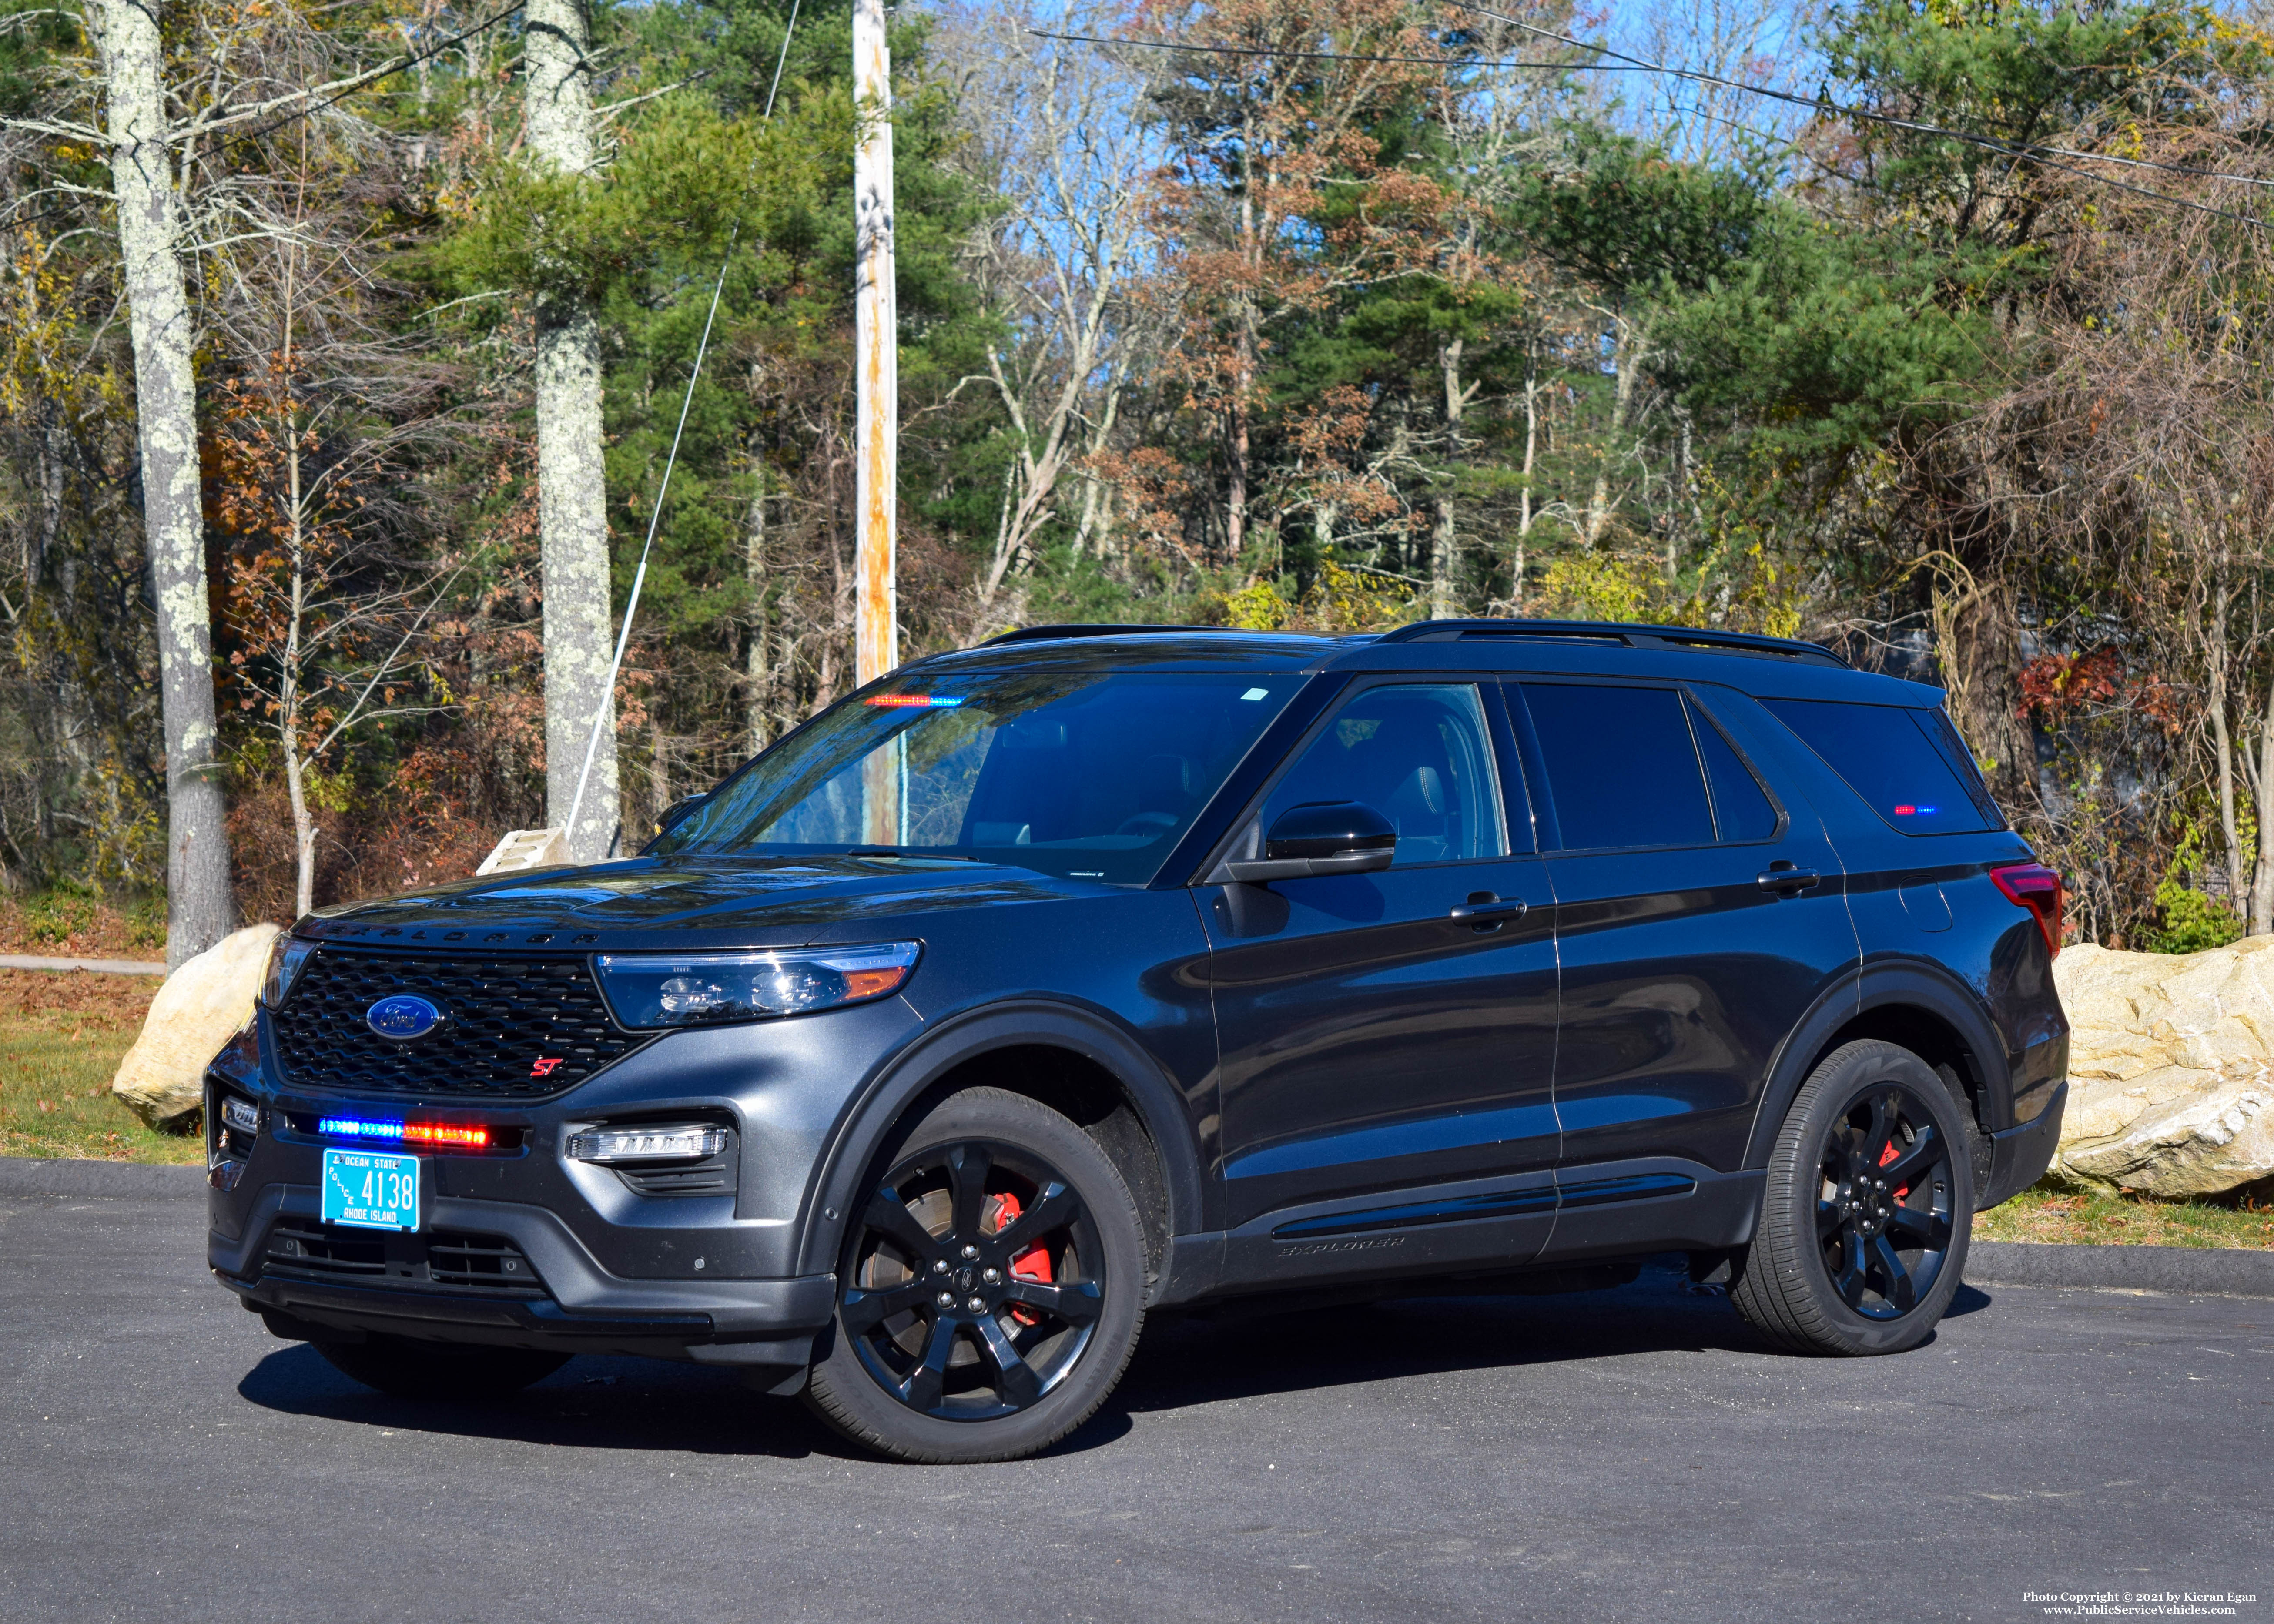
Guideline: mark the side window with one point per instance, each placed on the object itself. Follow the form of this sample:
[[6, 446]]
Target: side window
[[1419, 755], [1894, 757], [1742, 811], [1622, 767]]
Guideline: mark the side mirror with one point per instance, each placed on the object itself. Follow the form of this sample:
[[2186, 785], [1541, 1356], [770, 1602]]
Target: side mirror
[[679, 809], [1319, 836]]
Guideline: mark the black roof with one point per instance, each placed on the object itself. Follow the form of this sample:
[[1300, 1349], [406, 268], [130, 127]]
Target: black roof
[[1763, 666], [1633, 635]]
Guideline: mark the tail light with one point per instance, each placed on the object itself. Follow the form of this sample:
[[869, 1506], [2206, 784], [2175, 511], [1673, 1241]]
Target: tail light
[[2038, 888]]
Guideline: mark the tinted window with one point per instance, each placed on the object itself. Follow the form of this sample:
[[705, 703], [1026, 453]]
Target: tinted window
[[1085, 773], [1891, 760], [1417, 754], [1742, 811], [1944, 735], [1622, 769]]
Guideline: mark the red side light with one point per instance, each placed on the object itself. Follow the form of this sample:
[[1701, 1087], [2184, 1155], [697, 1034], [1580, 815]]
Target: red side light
[[2038, 888], [445, 1133]]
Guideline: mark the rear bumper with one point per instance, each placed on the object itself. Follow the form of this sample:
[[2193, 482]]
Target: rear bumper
[[2020, 1156]]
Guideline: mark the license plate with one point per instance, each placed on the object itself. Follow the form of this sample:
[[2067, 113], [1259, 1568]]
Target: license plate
[[368, 1191]]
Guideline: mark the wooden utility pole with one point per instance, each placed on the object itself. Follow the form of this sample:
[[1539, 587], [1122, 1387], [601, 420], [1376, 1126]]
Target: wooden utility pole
[[876, 339]]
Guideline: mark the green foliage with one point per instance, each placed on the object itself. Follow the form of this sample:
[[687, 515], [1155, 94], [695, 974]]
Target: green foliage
[[2189, 922], [55, 915]]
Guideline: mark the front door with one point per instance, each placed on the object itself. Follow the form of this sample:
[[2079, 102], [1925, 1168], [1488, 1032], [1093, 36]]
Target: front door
[[1388, 1054]]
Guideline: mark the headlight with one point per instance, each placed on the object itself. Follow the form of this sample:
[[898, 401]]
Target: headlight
[[700, 989], [284, 962]]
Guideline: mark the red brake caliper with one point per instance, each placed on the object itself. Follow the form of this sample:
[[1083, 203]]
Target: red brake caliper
[[1032, 1264], [1888, 1157]]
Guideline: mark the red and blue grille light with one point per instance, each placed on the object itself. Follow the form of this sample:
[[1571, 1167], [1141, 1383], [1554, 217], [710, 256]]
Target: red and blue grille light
[[465, 1136]]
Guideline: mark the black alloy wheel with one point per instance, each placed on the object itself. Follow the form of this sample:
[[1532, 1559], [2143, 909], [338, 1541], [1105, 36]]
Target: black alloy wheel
[[991, 1287], [1867, 1209], [1883, 1202], [978, 1283]]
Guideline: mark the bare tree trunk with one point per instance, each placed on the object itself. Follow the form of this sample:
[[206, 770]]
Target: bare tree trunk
[[571, 485], [2262, 890], [288, 711], [1235, 521], [1443, 543], [1626, 363], [755, 669], [2216, 654], [200, 907], [1530, 453]]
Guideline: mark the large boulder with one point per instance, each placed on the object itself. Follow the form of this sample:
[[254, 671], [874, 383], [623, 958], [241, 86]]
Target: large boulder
[[201, 1006], [2168, 1055]]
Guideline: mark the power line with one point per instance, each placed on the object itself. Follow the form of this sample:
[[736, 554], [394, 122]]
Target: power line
[[1242, 50], [2050, 156], [1824, 105], [663, 485]]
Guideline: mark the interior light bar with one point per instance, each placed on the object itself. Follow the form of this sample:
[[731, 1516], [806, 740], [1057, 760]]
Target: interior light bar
[[465, 1136], [914, 702]]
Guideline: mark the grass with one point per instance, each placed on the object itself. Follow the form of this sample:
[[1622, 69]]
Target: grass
[[60, 1038], [2069, 1217]]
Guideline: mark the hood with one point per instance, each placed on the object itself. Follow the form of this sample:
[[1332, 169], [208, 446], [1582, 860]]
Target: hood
[[689, 902]]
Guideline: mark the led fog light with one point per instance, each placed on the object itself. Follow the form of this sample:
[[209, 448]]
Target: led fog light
[[677, 1142], [241, 1115]]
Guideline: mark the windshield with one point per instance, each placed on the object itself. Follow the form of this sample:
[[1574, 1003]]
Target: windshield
[[1082, 774]]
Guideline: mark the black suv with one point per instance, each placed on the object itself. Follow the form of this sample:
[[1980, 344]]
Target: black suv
[[1105, 970]]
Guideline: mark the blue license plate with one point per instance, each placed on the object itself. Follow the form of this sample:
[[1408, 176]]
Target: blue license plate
[[370, 1191]]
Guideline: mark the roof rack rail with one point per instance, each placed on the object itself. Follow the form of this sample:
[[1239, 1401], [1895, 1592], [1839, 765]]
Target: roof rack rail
[[1633, 635], [1044, 634]]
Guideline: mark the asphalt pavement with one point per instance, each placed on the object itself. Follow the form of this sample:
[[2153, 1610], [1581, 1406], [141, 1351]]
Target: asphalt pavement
[[1627, 1455]]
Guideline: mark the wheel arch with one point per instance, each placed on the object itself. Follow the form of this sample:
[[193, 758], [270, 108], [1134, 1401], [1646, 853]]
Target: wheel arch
[[1062, 1056], [1920, 1007]]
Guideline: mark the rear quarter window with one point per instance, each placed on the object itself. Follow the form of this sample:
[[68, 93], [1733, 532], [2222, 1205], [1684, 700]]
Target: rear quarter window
[[1907, 764]]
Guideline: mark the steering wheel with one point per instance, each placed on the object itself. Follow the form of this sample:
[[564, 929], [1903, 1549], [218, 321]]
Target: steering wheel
[[1146, 823]]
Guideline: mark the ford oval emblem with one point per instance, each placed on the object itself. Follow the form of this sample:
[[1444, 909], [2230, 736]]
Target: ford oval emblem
[[402, 1017]]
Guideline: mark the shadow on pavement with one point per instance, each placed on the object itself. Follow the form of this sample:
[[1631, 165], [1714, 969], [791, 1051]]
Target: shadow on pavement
[[648, 1404], [592, 1402]]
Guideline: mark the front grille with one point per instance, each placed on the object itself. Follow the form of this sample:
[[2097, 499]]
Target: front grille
[[303, 1249], [505, 1019]]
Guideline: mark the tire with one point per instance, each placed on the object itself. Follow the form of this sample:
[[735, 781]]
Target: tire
[[970, 1329], [405, 1368], [1868, 1208]]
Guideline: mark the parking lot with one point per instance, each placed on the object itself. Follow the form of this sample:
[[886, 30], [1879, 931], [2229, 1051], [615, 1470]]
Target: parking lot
[[1630, 1454]]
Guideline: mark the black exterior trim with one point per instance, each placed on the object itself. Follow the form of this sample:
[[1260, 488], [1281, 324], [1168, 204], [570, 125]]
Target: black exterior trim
[[2020, 1156], [872, 1115], [1912, 983]]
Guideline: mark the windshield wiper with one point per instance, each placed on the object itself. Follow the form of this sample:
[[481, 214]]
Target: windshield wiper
[[910, 851]]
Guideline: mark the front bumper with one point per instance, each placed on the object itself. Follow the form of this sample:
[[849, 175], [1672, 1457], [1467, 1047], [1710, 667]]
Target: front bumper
[[2020, 1156], [562, 1300]]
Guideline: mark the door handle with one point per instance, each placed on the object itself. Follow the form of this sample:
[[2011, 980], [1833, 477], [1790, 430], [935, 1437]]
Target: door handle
[[1494, 909], [1787, 880]]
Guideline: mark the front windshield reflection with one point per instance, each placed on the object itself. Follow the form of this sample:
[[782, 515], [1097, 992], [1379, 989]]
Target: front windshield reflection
[[1082, 774]]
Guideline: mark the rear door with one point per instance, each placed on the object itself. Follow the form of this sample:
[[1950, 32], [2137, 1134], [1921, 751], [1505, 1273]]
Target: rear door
[[1373, 1042], [1698, 915]]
